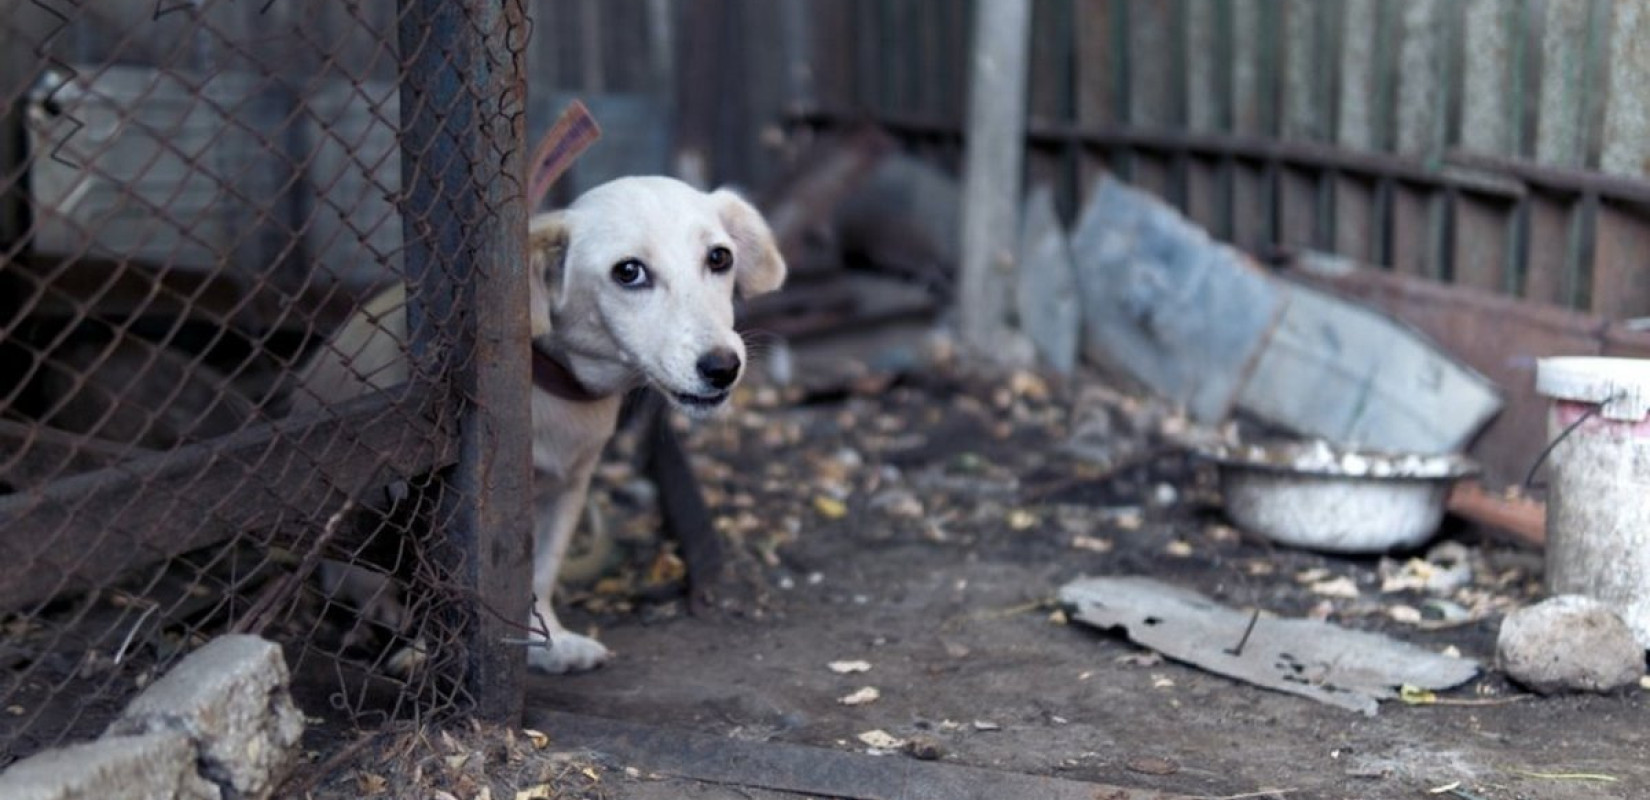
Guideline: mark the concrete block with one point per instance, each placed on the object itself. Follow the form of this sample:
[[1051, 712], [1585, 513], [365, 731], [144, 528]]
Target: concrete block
[[151, 766], [232, 698]]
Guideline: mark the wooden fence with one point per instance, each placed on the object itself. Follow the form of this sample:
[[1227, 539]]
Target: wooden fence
[[1499, 144]]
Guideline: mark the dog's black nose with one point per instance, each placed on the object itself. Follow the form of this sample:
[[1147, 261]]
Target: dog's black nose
[[719, 368]]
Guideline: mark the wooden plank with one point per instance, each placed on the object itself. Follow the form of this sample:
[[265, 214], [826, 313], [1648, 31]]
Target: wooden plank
[[1047, 90], [1549, 262], [1620, 284], [1298, 208], [1356, 227], [36, 454], [293, 471], [1252, 102], [1153, 91], [1419, 214], [1485, 230], [830, 27], [812, 771], [992, 175], [1558, 223], [1205, 98], [1305, 116], [1567, 83], [1625, 149]]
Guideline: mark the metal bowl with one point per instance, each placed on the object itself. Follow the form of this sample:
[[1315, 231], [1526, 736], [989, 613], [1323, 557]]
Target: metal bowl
[[1317, 496]]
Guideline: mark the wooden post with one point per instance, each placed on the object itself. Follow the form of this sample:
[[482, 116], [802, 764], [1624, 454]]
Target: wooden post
[[462, 138], [991, 177]]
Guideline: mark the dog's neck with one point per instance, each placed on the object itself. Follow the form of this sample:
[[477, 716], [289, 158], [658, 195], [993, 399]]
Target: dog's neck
[[553, 377]]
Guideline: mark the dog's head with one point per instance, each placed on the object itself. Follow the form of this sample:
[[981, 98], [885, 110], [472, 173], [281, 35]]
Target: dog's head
[[635, 281]]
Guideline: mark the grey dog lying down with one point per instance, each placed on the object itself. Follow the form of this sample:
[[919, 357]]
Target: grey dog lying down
[[632, 285]]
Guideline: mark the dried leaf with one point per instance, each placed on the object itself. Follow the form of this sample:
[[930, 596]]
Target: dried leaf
[[1416, 696], [539, 739], [1093, 544], [540, 792], [370, 784], [830, 507], [1020, 520]]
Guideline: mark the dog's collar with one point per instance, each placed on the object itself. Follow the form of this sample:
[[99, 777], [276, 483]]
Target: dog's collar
[[552, 376]]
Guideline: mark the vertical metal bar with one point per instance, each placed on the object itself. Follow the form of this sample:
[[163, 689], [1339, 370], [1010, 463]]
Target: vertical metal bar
[[462, 131]]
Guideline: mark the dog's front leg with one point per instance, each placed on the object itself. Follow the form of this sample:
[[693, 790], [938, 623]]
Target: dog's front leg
[[557, 507]]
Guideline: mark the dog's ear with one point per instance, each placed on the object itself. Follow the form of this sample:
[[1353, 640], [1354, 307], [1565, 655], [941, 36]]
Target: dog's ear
[[759, 267], [547, 236]]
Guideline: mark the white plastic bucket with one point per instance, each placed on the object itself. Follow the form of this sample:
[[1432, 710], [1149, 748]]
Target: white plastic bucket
[[1598, 500]]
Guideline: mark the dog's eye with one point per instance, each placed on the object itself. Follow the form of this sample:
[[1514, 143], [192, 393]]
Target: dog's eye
[[631, 274], [720, 259]]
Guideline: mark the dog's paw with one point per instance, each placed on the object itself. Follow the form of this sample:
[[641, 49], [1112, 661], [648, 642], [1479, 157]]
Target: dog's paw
[[568, 652]]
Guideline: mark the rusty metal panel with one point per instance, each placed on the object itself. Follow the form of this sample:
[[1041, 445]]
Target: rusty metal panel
[[1340, 371], [1165, 304], [1499, 336]]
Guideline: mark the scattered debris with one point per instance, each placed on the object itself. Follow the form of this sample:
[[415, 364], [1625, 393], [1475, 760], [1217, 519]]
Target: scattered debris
[[1344, 668], [864, 695], [1165, 304], [924, 747], [985, 725], [1569, 643], [849, 667], [1446, 569], [880, 740]]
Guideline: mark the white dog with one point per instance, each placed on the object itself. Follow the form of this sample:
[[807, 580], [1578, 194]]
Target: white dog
[[631, 285]]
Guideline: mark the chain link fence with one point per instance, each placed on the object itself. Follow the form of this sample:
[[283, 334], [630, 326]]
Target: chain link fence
[[194, 197]]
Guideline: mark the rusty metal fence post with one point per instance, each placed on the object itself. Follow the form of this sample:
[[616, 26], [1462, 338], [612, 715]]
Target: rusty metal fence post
[[464, 219]]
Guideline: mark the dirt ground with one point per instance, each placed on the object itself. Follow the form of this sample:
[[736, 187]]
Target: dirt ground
[[921, 521]]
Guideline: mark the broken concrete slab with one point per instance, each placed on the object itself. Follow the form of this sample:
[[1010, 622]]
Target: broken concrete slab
[[151, 766], [1339, 370], [1344, 668], [231, 697], [1048, 308], [1165, 304]]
